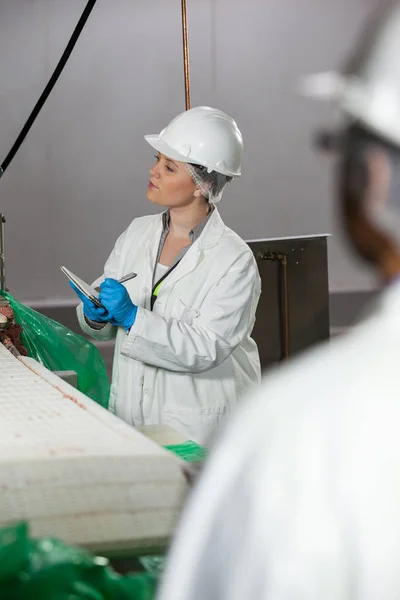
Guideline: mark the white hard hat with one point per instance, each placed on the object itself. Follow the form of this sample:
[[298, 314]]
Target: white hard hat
[[368, 89], [203, 136]]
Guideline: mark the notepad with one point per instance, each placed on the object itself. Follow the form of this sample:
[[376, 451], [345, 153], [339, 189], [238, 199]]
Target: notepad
[[90, 292]]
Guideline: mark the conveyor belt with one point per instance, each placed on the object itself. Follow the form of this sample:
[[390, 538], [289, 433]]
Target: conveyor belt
[[77, 472]]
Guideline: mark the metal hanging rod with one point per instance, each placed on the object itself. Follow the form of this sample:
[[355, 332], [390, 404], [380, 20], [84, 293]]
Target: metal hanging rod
[[185, 54]]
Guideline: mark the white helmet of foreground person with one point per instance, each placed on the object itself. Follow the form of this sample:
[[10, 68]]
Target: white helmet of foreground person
[[367, 93], [368, 88], [209, 142]]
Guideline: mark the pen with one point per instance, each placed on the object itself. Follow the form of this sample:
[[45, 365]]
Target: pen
[[122, 280], [127, 277]]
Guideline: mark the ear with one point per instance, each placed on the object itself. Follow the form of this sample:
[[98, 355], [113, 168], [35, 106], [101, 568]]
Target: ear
[[198, 193]]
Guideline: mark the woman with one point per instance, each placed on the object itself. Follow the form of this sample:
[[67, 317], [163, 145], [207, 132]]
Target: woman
[[183, 354]]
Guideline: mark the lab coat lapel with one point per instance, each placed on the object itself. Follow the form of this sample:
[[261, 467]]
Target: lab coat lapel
[[188, 263], [152, 245], [193, 257]]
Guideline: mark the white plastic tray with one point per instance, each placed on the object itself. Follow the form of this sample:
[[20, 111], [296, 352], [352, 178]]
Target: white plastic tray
[[75, 471]]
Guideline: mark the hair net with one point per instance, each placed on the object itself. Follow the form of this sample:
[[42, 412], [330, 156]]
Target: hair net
[[210, 184]]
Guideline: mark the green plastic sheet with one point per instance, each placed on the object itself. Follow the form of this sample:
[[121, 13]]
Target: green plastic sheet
[[189, 451], [47, 569], [59, 349]]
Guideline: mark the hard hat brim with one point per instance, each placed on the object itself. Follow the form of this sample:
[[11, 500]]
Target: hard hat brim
[[324, 86], [351, 97], [158, 144]]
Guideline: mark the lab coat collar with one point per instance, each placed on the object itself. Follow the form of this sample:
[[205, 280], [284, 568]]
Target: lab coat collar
[[210, 237], [385, 304], [390, 298], [211, 229], [195, 233]]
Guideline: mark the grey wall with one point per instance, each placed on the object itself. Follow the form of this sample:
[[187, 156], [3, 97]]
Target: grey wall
[[82, 173]]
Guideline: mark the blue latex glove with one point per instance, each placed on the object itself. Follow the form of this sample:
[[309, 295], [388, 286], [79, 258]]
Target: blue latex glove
[[114, 296], [93, 312]]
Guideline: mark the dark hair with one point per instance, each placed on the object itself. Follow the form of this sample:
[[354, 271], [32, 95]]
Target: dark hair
[[355, 143], [371, 242]]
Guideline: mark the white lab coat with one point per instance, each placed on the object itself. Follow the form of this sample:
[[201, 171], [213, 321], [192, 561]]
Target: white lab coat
[[188, 362], [301, 500]]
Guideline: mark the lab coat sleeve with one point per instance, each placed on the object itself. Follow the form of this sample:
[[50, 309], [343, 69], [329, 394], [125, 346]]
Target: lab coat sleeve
[[204, 340], [108, 332], [111, 269]]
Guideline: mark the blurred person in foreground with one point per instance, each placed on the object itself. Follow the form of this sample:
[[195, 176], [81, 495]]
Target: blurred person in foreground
[[301, 498]]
